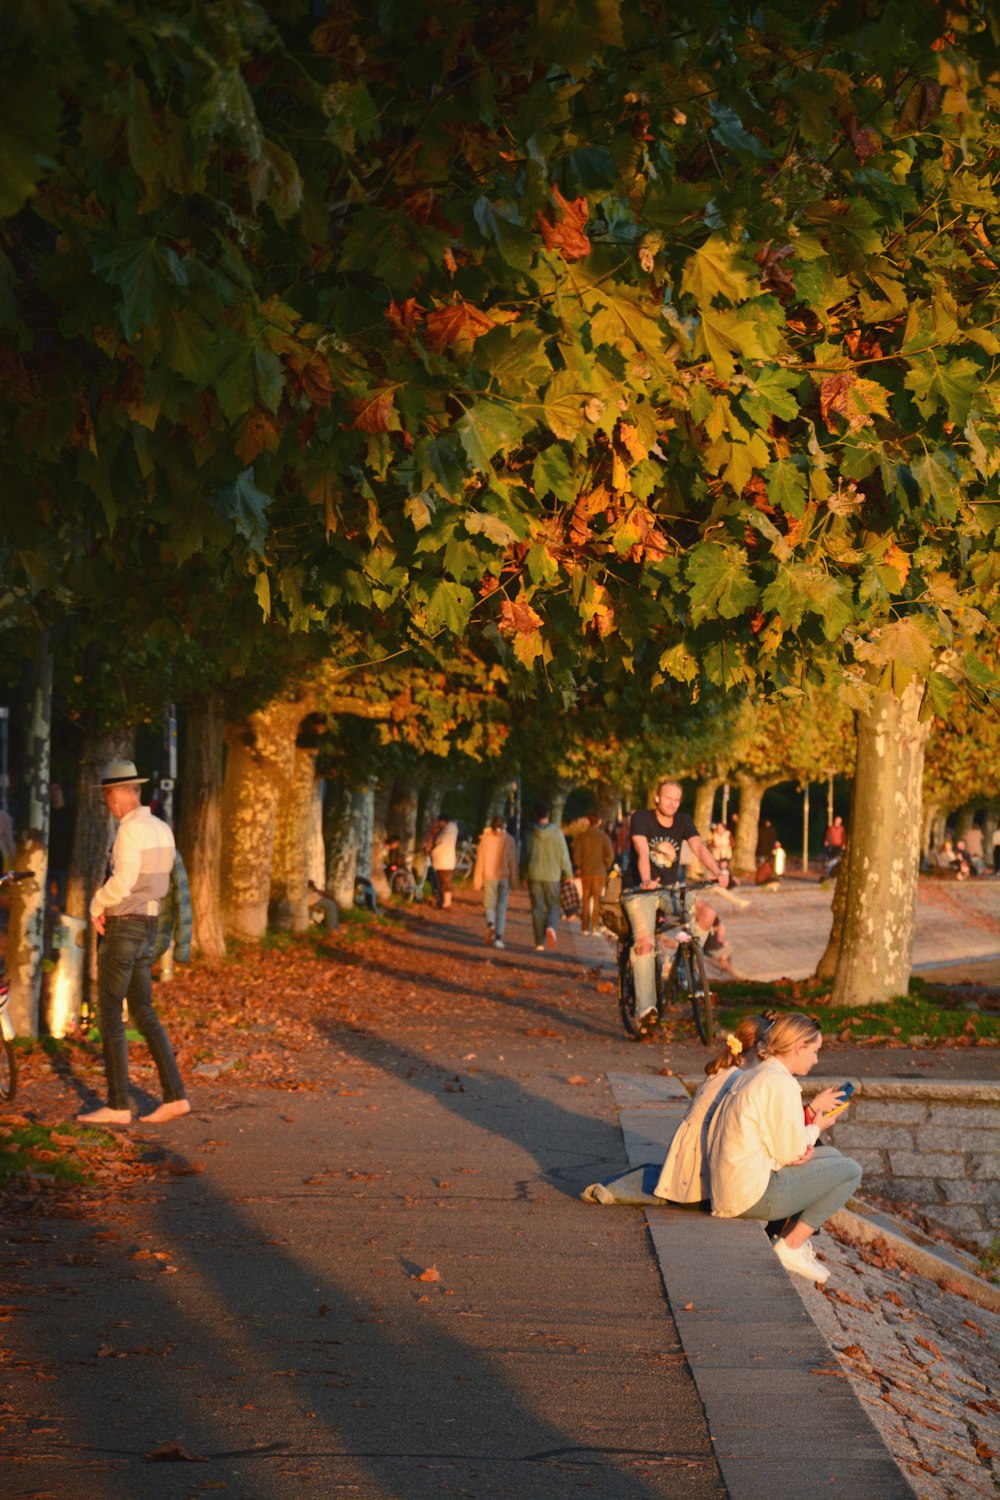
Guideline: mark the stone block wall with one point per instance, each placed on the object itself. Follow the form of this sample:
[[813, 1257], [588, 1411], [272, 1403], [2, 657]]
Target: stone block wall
[[930, 1144]]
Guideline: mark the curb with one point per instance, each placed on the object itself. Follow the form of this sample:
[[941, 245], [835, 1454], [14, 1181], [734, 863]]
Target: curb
[[926, 1256]]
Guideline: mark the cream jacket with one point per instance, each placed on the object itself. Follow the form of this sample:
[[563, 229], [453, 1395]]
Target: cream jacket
[[758, 1128], [684, 1178]]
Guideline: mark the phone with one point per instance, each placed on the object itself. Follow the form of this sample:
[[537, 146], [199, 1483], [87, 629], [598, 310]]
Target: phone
[[845, 1091]]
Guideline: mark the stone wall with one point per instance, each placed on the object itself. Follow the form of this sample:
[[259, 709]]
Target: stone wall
[[929, 1144]]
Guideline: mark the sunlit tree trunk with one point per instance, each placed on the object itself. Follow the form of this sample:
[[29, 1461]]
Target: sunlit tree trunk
[[289, 870], [363, 819], [26, 930], [559, 792], [883, 858], [260, 762], [745, 844], [341, 843], [827, 966], [704, 801], [200, 834]]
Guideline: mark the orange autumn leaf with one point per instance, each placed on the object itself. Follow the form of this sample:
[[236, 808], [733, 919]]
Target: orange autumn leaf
[[456, 326], [518, 618], [258, 434], [376, 412], [404, 317], [566, 232]]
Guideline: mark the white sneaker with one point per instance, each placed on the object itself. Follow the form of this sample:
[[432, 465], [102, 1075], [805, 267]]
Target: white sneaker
[[802, 1262], [498, 943]]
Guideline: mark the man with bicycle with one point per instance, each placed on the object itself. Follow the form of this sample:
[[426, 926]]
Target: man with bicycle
[[657, 837]]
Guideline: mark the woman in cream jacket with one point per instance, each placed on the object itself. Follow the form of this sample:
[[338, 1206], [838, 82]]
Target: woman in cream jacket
[[761, 1154]]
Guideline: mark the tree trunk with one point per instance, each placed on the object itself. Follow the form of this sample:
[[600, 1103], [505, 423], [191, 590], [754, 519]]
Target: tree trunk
[[289, 910], [883, 859], [260, 762], [609, 802], [745, 844], [363, 819], [26, 930], [200, 835], [927, 830], [827, 966], [401, 819], [340, 840], [315, 852], [560, 791], [380, 814], [704, 802]]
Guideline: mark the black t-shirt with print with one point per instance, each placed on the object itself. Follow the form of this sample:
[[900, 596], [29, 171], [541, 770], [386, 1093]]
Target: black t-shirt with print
[[664, 845]]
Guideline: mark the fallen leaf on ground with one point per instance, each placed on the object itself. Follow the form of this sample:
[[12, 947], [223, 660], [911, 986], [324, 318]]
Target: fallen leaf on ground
[[174, 1453], [431, 1274]]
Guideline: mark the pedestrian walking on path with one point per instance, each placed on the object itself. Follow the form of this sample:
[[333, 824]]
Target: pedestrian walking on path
[[125, 912], [594, 854], [546, 867], [495, 873]]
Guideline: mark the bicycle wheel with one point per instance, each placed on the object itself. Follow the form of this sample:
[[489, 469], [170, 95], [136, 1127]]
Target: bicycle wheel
[[8, 1071], [626, 990], [699, 993]]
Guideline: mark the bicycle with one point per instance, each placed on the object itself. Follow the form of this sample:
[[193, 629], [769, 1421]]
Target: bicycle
[[8, 1058], [686, 976]]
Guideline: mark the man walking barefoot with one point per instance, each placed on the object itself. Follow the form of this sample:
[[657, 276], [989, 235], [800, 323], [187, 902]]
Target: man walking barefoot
[[124, 911]]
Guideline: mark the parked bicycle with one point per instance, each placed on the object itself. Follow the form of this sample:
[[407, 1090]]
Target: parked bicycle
[[8, 1057], [685, 977]]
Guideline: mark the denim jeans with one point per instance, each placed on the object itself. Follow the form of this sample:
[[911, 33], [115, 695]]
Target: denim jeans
[[544, 907], [810, 1192], [641, 909], [123, 973], [496, 896]]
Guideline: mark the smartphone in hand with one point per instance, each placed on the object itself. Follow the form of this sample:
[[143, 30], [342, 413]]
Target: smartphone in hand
[[845, 1091]]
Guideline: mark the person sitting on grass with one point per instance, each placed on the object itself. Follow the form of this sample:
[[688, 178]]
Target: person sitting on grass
[[762, 1160], [684, 1177]]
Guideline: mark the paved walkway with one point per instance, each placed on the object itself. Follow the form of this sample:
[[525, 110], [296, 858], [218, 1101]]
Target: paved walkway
[[378, 1279]]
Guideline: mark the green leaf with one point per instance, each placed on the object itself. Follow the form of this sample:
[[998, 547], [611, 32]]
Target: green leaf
[[29, 135], [485, 430], [730, 132], [801, 589], [552, 474], [786, 486], [716, 270], [245, 506], [481, 523], [449, 608], [936, 476], [136, 268], [721, 585], [953, 383], [770, 394], [262, 589]]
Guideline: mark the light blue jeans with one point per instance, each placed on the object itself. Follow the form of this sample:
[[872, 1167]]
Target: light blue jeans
[[496, 895], [641, 908], [810, 1192]]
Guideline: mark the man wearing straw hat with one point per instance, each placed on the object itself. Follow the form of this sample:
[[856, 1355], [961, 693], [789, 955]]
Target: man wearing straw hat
[[124, 911]]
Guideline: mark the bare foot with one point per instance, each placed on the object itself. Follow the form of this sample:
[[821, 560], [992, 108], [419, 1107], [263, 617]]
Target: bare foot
[[105, 1116], [168, 1111]]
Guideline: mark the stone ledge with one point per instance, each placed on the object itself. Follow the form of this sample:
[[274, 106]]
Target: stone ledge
[[930, 1258]]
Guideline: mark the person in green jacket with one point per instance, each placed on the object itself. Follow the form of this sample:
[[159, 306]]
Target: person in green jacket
[[547, 865]]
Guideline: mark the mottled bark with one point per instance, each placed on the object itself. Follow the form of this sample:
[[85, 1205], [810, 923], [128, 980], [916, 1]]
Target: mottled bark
[[704, 801], [557, 801], [883, 860], [363, 820], [26, 928], [401, 819], [260, 762], [340, 840], [928, 822], [827, 966], [380, 815], [288, 909], [745, 843], [609, 802], [200, 833]]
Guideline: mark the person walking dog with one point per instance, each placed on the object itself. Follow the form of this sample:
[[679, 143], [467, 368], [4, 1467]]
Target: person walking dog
[[125, 912]]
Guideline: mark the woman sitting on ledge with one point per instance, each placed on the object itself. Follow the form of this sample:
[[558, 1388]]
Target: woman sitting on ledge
[[684, 1178], [761, 1157]]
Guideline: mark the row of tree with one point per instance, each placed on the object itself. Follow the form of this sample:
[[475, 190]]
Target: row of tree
[[647, 352]]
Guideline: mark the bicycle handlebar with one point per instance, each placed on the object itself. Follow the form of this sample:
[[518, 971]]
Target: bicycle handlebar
[[690, 885], [14, 875]]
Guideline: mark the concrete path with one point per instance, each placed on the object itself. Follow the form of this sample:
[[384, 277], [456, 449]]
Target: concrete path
[[781, 934]]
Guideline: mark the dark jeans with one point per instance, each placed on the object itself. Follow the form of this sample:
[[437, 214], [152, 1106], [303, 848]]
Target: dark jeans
[[123, 973]]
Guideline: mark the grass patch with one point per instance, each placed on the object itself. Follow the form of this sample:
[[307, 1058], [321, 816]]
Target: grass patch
[[927, 1016], [989, 1263], [43, 1151]]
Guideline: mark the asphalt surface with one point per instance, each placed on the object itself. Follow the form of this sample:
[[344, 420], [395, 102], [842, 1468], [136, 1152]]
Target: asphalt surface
[[385, 1284]]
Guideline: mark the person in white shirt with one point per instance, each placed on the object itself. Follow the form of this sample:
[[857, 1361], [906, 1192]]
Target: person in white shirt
[[444, 857], [762, 1160], [684, 1177], [124, 911]]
